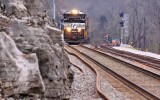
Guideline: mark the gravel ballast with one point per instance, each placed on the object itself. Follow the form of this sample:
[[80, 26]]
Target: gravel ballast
[[84, 83]]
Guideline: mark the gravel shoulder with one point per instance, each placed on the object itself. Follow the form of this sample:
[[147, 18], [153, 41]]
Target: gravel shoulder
[[84, 83]]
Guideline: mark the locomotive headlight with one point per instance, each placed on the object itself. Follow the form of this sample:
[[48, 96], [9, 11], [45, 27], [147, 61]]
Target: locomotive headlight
[[68, 29], [79, 29], [74, 11]]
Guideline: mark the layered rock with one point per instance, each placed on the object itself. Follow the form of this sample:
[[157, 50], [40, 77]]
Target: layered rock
[[19, 73], [47, 77]]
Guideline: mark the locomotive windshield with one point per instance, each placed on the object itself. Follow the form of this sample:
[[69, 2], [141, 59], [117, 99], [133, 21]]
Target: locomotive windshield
[[79, 18], [74, 16], [74, 20]]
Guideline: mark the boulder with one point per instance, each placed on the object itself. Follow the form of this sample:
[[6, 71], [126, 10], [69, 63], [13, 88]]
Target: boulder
[[37, 66], [19, 72], [15, 8], [53, 62], [35, 8]]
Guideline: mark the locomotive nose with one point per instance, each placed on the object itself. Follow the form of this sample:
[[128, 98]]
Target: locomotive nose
[[75, 36]]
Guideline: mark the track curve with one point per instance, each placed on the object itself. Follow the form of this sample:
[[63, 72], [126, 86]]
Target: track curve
[[70, 50], [139, 88]]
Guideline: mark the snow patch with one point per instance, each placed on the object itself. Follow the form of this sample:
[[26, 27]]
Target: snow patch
[[129, 48]]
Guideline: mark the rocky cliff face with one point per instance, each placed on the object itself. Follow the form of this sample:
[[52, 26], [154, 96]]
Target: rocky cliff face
[[32, 60]]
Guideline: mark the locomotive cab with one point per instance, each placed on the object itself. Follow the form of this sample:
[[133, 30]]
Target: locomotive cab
[[75, 27]]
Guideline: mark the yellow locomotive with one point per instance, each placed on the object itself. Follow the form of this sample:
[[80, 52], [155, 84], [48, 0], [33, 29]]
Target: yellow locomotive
[[75, 27]]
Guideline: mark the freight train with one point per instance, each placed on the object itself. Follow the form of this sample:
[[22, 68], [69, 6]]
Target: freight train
[[75, 27]]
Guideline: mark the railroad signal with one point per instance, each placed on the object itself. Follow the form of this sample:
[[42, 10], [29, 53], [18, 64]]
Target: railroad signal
[[121, 14], [121, 23], [124, 23]]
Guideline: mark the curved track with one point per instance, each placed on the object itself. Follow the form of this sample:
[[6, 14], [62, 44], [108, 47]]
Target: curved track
[[146, 60], [72, 51], [127, 73]]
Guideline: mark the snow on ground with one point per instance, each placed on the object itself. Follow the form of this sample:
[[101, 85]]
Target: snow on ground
[[129, 48]]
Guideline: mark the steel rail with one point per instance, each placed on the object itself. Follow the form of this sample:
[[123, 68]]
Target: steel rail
[[104, 96], [148, 61], [136, 67], [130, 84]]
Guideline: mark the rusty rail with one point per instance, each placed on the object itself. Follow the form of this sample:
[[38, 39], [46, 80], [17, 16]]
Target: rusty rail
[[90, 64], [132, 85], [146, 60]]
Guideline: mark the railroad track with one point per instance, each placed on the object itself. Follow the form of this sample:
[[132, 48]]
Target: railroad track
[[146, 84], [148, 61], [72, 51]]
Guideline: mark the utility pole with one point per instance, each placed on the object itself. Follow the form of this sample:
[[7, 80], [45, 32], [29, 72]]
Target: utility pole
[[121, 14], [124, 26], [54, 10]]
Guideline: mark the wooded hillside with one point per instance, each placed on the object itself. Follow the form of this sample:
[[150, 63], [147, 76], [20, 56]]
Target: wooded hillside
[[144, 19]]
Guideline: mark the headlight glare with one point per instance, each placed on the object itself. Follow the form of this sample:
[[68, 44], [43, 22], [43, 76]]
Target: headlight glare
[[74, 11], [79, 29], [68, 29]]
